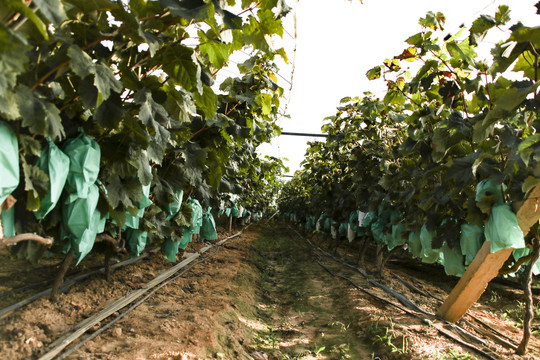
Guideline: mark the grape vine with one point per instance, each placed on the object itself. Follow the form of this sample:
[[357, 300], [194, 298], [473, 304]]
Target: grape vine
[[134, 82], [414, 159]]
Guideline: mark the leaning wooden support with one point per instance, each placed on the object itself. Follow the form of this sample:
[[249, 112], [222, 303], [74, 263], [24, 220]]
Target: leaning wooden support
[[486, 265], [473, 283]]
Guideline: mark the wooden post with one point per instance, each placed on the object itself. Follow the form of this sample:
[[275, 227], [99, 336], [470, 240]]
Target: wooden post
[[486, 265]]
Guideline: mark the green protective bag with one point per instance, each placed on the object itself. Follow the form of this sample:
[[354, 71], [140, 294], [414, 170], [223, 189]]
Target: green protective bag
[[502, 229], [307, 225], [8, 222], [415, 245], [186, 238], [519, 253], [453, 261], [82, 221], [470, 241], [174, 206], [342, 230], [429, 255], [133, 221], [370, 218], [136, 240], [208, 227], [235, 212], [489, 191], [196, 215], [9, 161], [377, 230], [396, 238], [56, 165], [170, 249], [327, 224], [84, 155], [353, 220], [228, 212]]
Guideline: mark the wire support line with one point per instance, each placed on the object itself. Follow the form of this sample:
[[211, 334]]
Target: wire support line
[[303, 134]]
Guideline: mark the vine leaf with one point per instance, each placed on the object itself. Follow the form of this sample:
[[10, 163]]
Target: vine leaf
[[52, 9], [36, 184], [39, 116], [530, 183], [507, 102], [81, 63], [188, 9], [105, 81]]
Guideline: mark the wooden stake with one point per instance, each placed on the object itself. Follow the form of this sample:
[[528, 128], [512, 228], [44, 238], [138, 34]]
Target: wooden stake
[[486, 265], [473, 283]]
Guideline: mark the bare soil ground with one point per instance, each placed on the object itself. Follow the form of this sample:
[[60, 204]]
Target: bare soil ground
[[260, 296]]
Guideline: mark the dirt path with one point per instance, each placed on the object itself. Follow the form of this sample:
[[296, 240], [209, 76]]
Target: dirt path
[[261, 296]]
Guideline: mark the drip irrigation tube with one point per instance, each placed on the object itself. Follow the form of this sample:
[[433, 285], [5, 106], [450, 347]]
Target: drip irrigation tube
[[414, 309], [57, 346], [66, 285], [131, 308]]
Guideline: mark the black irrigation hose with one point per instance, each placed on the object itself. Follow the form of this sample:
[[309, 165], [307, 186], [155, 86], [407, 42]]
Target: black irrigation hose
[[57, 346], [404, 301], [443, 332], [495, 334], [132, 307], [65, 286]]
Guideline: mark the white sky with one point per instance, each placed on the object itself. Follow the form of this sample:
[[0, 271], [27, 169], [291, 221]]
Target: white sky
[[338, 43]]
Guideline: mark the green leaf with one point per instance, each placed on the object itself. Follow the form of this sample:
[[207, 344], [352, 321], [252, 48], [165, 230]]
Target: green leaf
[[8, 105], [12, 63], [20, 7], [502, 16], [105, 81], [525, 34], [52, 9], [151, 40], [217, 52], [480, 27], [207, 102], [463, 51], [374, 73], [508, 101], [40, 117], [231, 20], [188, 9], [36, 184], [265, 102], [179, 63], [144, 171], [433, 21], [30, 145], [81, 63], [394, 97], [151, 113], [530, 183], [525, 147], [110, 112], [88, 93], [122, 191]]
